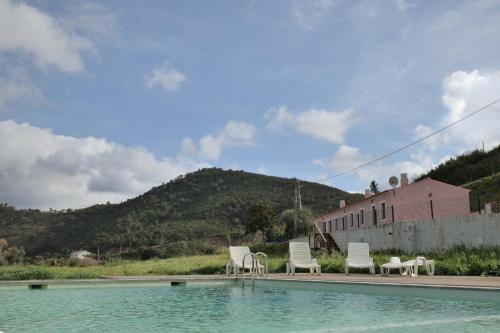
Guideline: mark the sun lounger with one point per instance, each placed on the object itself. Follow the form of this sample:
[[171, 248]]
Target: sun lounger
[[241, 259], [428, 264], [300, 257], [358, 256], [395, 263]]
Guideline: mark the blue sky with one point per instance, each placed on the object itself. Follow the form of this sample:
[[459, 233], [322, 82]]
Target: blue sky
[[102, 100]]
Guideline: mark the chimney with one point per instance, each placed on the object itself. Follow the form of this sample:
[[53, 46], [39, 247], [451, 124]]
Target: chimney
[[342, 204], [368, 193], [404, 179]]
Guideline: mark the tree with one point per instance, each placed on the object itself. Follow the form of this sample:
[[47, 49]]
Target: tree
[[304, 217], [10, 255], [374, 187], [14, 255], [262, 218]]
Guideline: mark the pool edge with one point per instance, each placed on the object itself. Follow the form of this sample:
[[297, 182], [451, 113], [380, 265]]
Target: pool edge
[[222, 278]]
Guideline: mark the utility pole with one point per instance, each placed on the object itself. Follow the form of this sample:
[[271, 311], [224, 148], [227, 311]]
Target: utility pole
[[483, 145], [299, 197], [296, 206]]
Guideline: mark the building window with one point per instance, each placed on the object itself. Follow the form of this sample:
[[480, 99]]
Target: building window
[[324, 227], [357, 218], [361, 216], [382, 211], [344, 222], [330, 226], [351, 219]]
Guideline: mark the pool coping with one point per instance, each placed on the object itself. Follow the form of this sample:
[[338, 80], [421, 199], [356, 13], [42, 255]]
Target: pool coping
[[272, 277], [391, 284]]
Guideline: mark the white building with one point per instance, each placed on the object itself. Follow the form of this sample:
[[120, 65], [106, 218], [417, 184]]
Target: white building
[[80, 254]]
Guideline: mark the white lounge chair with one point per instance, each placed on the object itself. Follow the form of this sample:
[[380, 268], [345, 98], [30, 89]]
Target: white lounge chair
[[241, 259], [395, 263], [300, 257], [358, 256], [429, 265]]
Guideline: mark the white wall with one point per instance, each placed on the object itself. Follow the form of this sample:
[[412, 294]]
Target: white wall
[[427, 235]]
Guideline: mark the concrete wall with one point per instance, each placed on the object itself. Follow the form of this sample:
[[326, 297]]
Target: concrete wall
[[426, 235]]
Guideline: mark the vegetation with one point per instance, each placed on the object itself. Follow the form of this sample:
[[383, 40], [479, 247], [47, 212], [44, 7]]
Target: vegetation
[[477, 170], [484, 190], [304, 216], [10, 255], [262, 218], [374, 187], [193, 214], [466, 167], [455, 261]]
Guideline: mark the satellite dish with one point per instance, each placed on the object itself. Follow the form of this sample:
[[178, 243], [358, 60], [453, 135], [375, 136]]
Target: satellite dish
[[393, 181]]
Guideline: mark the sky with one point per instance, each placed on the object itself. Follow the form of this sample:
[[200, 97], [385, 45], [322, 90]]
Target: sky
[[100, 101]]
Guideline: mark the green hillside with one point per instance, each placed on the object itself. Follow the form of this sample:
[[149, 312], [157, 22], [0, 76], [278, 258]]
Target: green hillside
[[477, 170], [190, 214]]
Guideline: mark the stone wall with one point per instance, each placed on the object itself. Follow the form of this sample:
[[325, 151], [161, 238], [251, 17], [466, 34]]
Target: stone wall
[[427, 235]]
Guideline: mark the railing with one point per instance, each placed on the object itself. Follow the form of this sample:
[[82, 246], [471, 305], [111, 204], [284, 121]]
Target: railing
[[256, 265], [319, 232]]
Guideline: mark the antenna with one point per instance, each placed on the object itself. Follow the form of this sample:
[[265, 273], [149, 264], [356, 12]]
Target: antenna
[[393, 181]]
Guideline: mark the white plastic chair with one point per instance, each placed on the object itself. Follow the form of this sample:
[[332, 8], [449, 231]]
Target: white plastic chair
[[241, 259], [300, 257], [358, 256], [395, 263], [429, 265]]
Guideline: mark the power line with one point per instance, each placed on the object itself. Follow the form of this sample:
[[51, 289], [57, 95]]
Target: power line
[[410, 144]]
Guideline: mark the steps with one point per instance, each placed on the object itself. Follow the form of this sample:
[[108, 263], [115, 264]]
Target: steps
[[326, 241]]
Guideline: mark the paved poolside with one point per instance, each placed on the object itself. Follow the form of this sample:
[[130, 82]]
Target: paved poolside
[[468, 282], [421, 280]]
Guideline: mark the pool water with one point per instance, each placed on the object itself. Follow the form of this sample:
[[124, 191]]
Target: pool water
[[231, 307]]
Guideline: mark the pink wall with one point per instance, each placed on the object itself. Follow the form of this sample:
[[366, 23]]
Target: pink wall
[[411, 202]]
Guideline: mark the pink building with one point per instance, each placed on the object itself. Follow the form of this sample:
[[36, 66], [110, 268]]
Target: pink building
[[425, 199]]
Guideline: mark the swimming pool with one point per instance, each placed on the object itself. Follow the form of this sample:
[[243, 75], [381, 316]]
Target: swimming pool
[[268, 306]]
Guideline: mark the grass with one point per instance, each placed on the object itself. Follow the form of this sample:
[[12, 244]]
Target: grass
[[455, 261]]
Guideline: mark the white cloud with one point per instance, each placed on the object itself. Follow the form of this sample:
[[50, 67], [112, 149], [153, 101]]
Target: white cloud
[[90, 19], [166, 77], [310, 13], [347, 157], [40, 169], [319, 161], [262, 170], [464, 93], [188, 147], [279, 118], [402, 5], [317, 123], [211, 146], [26, 30], [18, 87], [432, 142]]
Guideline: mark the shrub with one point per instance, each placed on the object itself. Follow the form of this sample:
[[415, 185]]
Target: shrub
[[271, 249], [85, 262], [10, 255], [25, 273]]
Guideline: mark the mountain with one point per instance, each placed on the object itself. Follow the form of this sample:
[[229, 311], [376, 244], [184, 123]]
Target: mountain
[[187, 215], [477, 170]]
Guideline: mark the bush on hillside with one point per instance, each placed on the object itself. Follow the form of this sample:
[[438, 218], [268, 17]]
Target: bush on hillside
[[84, 262], [10, 255]]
